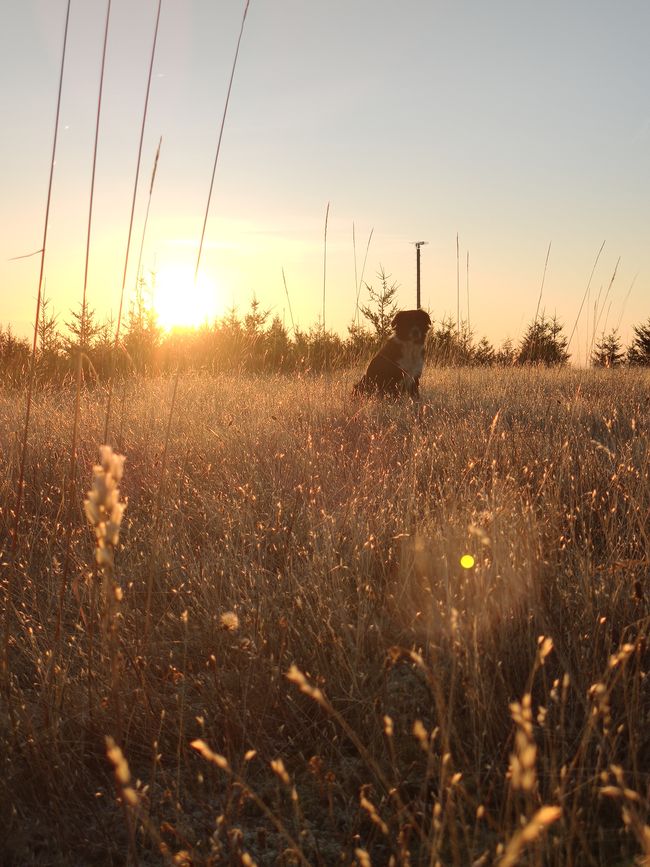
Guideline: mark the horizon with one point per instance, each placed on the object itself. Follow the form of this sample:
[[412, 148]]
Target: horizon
[[65, 328], [512, 129]]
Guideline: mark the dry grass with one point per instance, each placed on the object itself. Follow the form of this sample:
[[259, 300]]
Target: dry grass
[[425, 719]]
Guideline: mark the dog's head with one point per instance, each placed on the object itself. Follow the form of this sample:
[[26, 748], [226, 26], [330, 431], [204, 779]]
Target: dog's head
[[412, 325]]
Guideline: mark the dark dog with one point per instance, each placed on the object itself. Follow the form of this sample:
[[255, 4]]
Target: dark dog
[[397, 367]]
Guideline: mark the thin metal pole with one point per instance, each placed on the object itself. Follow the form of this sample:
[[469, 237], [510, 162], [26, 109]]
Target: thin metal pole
[[418, 244]]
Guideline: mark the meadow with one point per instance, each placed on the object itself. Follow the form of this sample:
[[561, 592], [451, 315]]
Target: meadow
[[334, 631]]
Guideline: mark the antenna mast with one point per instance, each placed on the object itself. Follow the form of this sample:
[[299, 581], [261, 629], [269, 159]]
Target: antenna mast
[[418, 244]]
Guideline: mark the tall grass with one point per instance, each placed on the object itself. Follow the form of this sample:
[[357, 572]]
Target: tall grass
[[32, 369], [327, 213], [220, 139], [352, 693], [72, 477], [131, 216], [359, 284]]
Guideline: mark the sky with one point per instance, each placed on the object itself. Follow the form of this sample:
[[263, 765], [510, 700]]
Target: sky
[[511, 125]]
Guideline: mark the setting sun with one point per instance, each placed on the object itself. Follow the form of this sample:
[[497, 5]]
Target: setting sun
[[180, 302]]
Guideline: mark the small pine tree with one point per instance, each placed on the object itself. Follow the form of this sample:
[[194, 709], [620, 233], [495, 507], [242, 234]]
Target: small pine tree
[[278, 346], [14, 357], [228, 342], [465, 344], [83, 330], [445, 346], [506, 355], [638, 352], [142, 334], [254, 337], [484, 354], [48, 338], [382, 307], [255, 319], [48, 344], [359, 344], [544, 343], [142, 314], [608, 351]]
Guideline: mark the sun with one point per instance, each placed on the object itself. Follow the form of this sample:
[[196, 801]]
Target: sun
[[182, 302]]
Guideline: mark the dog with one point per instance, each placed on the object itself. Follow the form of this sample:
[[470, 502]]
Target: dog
[[397, 367]]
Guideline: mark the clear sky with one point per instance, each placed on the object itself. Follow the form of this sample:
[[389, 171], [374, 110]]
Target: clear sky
[[514, 124]]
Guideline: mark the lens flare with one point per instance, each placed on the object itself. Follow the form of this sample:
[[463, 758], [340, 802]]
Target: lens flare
[[467, 561]]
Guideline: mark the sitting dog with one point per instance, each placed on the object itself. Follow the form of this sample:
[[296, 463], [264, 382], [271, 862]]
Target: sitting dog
[[397, 367]]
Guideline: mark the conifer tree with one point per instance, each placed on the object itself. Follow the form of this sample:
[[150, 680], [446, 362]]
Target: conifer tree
[[638, 352], [608, 351], [484, 354], [544, 343], [83, 330], [382, 306], [48, 337]]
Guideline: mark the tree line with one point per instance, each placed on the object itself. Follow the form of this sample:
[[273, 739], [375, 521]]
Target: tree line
[[259, 342]]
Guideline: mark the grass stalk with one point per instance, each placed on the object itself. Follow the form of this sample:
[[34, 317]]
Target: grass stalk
[[286, 292], [599, 308], [541, 288], [104, 509], [625, 300], [327, 213], [32, 372], [159, 501], [457, 286], [221, 762], [584, 297], [356, 281], [363, 271], [219, 140], [128, 239], [138, 270], [469, 321], [72, 472], [157, 515]]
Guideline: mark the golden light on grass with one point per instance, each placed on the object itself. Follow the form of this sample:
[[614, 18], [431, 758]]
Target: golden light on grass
[[376, 701], [103, 508], [229, 621], [532, 831], [122, 772], [180, 301]]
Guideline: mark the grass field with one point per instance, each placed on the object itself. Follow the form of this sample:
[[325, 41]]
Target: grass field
[[434, 713]]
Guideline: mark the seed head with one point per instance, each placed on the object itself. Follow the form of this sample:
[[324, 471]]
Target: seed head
[[103, 507]]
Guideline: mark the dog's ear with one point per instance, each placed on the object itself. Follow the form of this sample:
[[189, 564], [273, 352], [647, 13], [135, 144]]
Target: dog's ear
[[426, 318], [396, 318]]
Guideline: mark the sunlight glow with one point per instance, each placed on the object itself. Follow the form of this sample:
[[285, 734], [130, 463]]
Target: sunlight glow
[[467, 561], [179, 302]]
